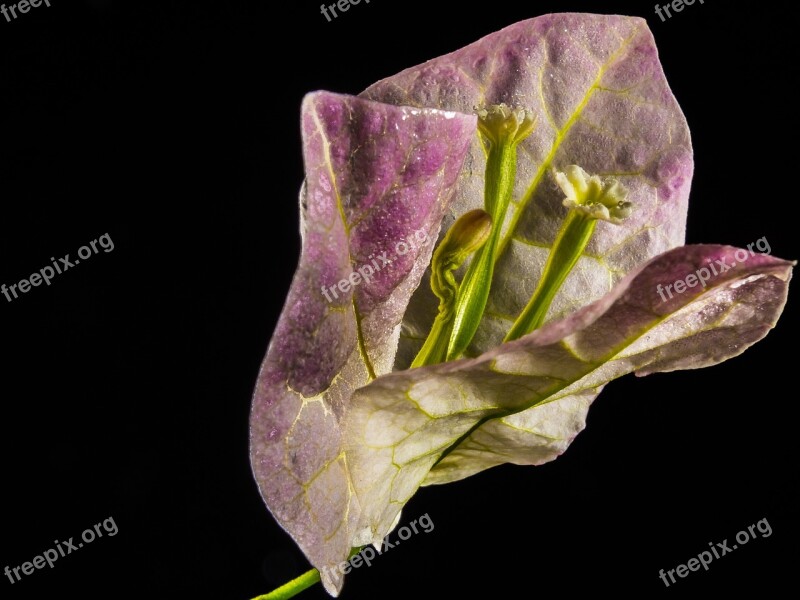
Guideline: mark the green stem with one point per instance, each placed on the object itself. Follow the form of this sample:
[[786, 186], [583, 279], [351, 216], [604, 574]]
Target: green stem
[[467, 234], [299, 584], [434, 350], [589, 198], [502, 128], [294, 587], [473, 293], [567, 249]]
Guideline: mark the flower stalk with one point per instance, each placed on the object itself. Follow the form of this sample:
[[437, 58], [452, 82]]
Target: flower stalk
[[502, 128], [293, 587], [589, 199], [467, 235]]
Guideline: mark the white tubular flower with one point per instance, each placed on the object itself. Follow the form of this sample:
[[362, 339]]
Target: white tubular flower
[[604, 199]]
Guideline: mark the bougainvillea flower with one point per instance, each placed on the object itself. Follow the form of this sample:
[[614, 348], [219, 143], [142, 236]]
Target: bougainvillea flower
[[587, 204]]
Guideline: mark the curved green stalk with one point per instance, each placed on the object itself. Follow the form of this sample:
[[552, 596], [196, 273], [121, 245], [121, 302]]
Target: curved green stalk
[[465, 236], [292, 588], [299, 584]]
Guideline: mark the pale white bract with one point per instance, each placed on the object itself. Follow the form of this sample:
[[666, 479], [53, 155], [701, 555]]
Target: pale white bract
[[342, 432]]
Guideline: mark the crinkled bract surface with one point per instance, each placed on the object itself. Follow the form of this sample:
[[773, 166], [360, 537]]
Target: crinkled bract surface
[[597, 90], [376, 175], [524, 401], [342, 432]]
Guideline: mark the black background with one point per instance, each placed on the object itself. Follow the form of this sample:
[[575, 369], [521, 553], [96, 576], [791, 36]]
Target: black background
[[125, 385]]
